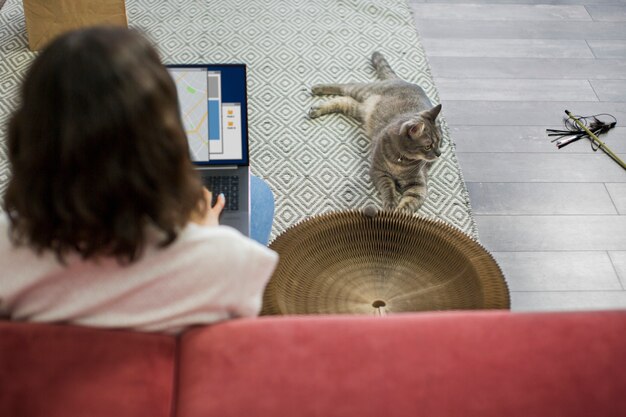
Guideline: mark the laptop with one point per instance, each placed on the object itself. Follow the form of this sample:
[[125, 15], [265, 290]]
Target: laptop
[[214, 109]]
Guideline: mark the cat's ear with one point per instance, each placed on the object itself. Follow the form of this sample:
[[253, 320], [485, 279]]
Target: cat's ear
[[417, 129], [432, 113], [412, 127]]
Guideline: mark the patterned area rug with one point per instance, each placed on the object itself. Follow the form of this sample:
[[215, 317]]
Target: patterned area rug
[[313, 166]]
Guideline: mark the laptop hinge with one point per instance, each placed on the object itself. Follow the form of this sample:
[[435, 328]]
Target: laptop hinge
[[214, 168]]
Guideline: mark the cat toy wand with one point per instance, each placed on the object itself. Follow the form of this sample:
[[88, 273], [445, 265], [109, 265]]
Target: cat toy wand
[[595, 139]]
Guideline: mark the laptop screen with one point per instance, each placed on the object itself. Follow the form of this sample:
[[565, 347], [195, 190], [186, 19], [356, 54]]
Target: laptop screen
[[213, 106]]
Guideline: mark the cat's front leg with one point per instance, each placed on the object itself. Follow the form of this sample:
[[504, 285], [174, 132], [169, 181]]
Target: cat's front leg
[[326, 89], [346, 105], [412, 198], [358, 91], [386, 187]]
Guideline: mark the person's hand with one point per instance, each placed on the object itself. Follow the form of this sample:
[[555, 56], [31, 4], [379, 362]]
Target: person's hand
[[210, 215]]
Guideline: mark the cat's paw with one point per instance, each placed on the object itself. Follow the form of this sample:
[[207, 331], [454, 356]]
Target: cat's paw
[[315, 112], [405, 209], [321, 90], [317, 90]]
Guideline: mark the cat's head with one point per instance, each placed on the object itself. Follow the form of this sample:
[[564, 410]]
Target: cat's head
[[420, 137]]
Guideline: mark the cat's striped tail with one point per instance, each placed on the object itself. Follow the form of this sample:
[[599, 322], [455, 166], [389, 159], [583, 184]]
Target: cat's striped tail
[[383, 70]]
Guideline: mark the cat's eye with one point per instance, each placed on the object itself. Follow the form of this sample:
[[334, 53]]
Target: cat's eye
[[428, 148]]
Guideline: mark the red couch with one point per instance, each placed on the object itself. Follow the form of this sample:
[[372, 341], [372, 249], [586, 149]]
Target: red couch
[[428, 364]]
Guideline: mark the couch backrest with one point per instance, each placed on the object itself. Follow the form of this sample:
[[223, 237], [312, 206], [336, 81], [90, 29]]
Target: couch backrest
[[66, 371], [466, 364], [481, 364]]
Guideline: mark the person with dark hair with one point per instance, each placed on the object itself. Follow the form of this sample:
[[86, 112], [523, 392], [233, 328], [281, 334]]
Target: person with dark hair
[[106, 222]]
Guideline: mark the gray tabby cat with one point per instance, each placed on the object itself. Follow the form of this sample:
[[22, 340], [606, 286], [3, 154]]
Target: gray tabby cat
[[400, 120]]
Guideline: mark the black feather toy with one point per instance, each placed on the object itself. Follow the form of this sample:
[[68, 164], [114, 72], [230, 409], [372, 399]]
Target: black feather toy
[[574, 132], [578, 127]]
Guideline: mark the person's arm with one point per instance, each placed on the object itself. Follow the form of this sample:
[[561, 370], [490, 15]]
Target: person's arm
[[205, 215]]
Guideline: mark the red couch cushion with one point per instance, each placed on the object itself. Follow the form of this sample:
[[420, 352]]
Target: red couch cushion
[[479, 364], [61, 371]]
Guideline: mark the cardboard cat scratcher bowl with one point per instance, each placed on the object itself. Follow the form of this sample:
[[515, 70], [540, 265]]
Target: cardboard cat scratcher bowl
[[380, 263]]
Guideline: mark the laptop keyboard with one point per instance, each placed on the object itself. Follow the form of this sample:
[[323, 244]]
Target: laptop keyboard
[[228, 185]]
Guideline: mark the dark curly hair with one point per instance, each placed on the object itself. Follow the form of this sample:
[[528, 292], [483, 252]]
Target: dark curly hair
[[97, 149]]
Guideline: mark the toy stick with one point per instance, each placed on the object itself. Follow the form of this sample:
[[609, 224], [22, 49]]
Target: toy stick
[[595, 139]]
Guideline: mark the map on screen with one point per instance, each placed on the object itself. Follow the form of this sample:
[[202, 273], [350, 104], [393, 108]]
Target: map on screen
[[213, 125]]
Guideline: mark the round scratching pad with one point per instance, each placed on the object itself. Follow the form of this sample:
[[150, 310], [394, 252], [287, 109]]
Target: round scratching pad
[[378, 263]]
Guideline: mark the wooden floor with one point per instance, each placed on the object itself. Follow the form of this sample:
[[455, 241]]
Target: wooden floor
[[555, 220]]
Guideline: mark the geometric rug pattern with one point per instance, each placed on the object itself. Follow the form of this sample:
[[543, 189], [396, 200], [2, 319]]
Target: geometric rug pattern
[[313, 166]]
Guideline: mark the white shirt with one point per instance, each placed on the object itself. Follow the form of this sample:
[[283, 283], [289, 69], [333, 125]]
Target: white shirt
[[207, 274]]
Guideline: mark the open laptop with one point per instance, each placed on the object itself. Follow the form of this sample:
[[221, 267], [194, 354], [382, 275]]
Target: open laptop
[[213, 105]]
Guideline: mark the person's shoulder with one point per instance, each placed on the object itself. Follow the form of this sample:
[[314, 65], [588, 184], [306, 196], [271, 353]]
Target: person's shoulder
[[5, 226], [224, 238], [19, 259], [197, 233], [223, 244]]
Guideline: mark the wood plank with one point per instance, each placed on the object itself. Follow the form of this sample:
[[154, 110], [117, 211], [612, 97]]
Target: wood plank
[[531, 68], [525, 139], [514, 113], [519, 29], [511, 12], [556, 2], [607, 13], [552, 233], [558, 271], [540, 198], [568, 300], [619, 262], [610, 90], [540, 167], [617, 191], [608, 48], [509, 48], [515, 89]]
